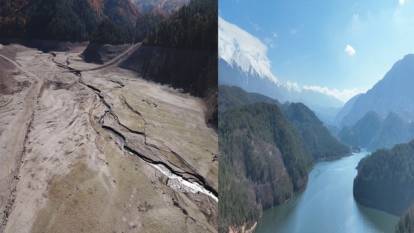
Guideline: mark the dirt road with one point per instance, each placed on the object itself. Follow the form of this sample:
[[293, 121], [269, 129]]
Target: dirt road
[[100, 151]]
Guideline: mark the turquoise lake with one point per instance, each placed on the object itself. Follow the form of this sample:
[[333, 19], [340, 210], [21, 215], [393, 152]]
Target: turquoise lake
[[327, 205]]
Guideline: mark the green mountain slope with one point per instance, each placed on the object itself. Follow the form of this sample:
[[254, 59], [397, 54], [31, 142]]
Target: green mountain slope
[[67, 20], [267, 149], [182, 50], [385, 179], [316, 137], [263, 162]]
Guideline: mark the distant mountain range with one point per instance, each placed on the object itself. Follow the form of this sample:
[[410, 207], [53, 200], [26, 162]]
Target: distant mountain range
[[374, 132], [392, 94], [267, 149], [383, 116], [243, 62]]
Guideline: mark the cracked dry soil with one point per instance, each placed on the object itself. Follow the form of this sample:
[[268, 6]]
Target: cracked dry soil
[[100, 150]]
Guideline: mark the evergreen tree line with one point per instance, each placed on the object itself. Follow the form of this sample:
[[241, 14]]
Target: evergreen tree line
[[193, 26]]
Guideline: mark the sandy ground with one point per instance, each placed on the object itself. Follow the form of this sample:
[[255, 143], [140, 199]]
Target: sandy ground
[[100, 151]]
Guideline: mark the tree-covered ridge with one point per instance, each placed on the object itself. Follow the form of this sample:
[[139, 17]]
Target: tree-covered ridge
[[233, 97], [362, 133], [385, 179], [181, 50], [68, 20], [12, 19], [316, 137], [263, 162], [109, 33], [145, 24], [176, 24], [267, 149], [194, 26]]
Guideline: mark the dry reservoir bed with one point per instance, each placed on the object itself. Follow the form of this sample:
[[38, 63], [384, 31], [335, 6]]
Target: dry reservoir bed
[[100, 151]]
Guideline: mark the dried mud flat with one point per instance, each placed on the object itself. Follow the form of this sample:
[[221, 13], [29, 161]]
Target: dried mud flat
[[101, 150]]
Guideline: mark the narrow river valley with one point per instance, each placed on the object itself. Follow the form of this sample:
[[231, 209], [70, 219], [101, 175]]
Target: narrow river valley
[[327, 205]]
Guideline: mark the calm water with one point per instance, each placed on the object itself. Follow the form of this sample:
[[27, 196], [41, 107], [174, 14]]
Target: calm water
[[327, 205]]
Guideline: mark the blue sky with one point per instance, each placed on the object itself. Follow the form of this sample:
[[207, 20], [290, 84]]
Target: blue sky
[[347, 45]]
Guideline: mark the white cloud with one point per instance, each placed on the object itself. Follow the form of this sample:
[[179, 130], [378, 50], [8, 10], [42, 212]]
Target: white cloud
[[342, 95], [350, 50], [240, 48], [401, 2]]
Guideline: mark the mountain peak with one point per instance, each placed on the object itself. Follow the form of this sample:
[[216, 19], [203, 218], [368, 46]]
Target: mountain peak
[[239, 48], [391, 94]]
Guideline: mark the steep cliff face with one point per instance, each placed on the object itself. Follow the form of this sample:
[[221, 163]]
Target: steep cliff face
[[385, 179]]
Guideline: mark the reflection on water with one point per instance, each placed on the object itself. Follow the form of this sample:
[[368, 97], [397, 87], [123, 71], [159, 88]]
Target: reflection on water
[[327, 205]]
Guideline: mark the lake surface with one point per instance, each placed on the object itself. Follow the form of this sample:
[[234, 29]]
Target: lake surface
[[327, 205]]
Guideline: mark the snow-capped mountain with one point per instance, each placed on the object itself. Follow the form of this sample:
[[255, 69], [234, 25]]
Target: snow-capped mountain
[[241, 49], [243, 62]]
